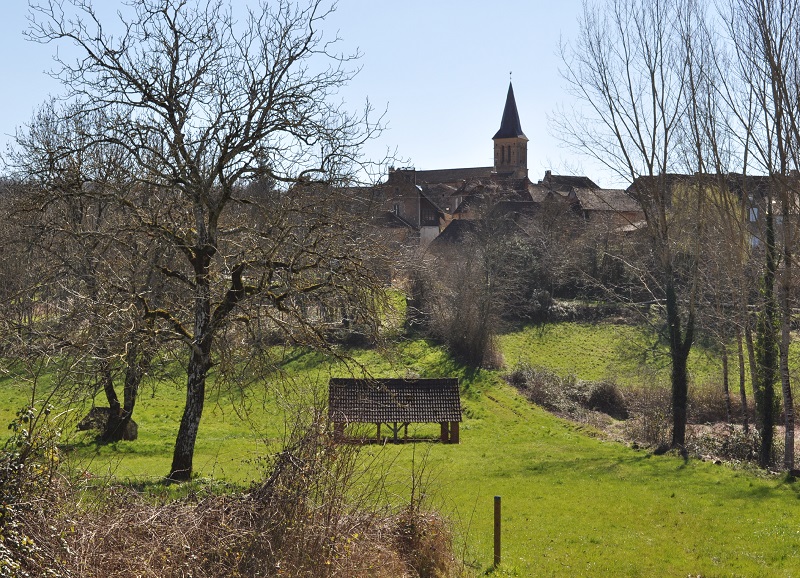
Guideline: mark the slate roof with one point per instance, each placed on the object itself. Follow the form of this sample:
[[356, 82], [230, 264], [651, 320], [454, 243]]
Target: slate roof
[[431, 200], [391, 220], [539, 194], [513, 209], [452, 175], [756, 185], [616, 200], [455, 233], [567, 182], [510, 126], [394, 400]]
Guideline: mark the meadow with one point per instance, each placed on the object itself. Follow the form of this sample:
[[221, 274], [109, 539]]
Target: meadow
[[574, 504]]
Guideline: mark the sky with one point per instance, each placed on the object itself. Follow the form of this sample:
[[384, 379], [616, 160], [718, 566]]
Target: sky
[[438, 68]]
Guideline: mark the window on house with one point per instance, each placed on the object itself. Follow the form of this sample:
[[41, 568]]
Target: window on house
[[429, 217], [753, 214]]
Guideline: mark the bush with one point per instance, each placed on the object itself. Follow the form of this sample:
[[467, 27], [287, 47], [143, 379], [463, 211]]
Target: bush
[[707, 405], [568, 395], [607, 398], [724, 442], [565, 395], [28, 464], [425, 543], [651, 422]]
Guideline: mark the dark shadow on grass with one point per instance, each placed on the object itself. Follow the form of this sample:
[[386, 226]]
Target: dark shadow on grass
[[662, 470], [390, 441]]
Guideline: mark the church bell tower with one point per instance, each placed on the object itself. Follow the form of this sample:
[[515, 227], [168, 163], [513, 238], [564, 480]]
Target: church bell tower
[[510, 143]]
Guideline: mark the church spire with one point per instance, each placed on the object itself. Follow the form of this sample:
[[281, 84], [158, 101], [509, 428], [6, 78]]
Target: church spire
[[510, 126], [510, 143]]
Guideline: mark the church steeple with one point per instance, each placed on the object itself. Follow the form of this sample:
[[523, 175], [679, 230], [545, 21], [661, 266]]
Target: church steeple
[[510, 143], [510, 126]]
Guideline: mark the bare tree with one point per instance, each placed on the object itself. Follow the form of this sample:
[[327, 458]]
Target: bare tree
[[203, 102], [89, 261], [766, 41], [628, 70]]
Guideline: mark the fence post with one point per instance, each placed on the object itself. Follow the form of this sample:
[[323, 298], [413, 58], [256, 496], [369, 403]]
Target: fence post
[[496, 531]]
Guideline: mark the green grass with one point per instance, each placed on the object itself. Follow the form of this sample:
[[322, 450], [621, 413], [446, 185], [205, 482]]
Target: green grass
[[576, 506], [626, 353], [573, 505]]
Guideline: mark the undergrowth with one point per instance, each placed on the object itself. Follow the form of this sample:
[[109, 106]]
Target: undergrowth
[[640, 414], [320, 511]]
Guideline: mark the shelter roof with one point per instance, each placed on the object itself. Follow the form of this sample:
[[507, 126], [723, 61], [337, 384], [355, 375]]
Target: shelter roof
[[394, 400]]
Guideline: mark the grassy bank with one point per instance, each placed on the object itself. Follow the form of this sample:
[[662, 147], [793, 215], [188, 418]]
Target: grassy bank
[[629, 354]]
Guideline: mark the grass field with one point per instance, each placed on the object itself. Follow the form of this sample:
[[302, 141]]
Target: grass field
[[626, 353], [573, 504], [629, 354]]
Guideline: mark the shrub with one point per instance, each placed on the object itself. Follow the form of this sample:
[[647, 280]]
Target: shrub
[[28, 463], [707, 405], [568, 395], [607, 398], [425, 543], [651, 422], [724, 442]]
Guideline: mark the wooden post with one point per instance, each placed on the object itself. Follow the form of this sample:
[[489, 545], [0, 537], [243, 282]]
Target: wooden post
[[496, 531], [445, 437], [379, 432], [454, 437]]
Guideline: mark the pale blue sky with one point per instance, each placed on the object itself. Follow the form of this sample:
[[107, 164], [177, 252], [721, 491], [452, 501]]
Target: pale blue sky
[[440, 66]]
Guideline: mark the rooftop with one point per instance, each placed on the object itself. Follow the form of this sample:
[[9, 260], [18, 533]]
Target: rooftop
[[394, 400]]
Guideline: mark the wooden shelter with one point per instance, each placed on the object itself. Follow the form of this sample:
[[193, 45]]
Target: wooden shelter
[[396, 403]]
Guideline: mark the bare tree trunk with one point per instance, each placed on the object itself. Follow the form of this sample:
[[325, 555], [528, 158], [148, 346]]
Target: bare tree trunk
[[767, 346], [786, 386], [679, 353], [725, 387], [197, 370], [751, 360], [742, 391], [118, 427], [181, 469], [111, 396]]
